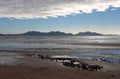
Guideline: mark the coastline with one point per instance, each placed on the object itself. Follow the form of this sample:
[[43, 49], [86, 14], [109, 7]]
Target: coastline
[[34, 68]]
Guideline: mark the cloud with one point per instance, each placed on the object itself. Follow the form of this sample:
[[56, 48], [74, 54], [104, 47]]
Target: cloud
[[30, 9]]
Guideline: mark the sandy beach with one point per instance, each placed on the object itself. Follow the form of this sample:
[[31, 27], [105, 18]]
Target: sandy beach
[[35, 68]]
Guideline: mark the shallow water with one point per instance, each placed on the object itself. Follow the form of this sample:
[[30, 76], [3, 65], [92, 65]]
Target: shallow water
[[61, 39], [49, 45], [88, 56], [94, 57], [72, 43]]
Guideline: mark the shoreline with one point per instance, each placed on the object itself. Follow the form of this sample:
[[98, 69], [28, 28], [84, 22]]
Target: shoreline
[[34, 68], [33, 61], [31, 67]]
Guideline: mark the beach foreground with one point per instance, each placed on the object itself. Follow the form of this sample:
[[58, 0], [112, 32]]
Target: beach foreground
[[34, 68]]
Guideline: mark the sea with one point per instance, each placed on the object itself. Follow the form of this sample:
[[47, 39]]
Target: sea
[[90, 47]]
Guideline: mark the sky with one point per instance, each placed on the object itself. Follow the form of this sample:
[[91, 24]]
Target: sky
[[70, 16]]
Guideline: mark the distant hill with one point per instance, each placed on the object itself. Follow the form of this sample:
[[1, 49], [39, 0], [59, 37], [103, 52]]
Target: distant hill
[[36, 33], [33, 33], [53, 33], [88, 33], [1, 34]]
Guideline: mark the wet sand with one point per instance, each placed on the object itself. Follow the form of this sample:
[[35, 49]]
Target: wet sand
[[35, 68], [19, 72]]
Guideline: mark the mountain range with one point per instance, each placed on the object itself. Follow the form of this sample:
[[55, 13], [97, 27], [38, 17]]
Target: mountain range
[[53, 33], [88, 33]]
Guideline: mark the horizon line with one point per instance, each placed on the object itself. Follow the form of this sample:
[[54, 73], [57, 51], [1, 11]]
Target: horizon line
[[60, 31]]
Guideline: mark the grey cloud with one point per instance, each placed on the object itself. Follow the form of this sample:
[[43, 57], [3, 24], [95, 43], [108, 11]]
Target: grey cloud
[[30, 9]]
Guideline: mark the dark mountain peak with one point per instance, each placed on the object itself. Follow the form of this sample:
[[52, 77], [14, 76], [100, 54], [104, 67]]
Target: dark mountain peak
[[53, 33], [56, 32], [1, 34], [59, 33], [32, 33], [88, 33]]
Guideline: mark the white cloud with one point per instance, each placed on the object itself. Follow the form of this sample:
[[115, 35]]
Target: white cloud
[[30, 9]]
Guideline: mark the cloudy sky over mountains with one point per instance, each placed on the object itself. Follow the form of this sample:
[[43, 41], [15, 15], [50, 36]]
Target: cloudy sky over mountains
[[86, 14]]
